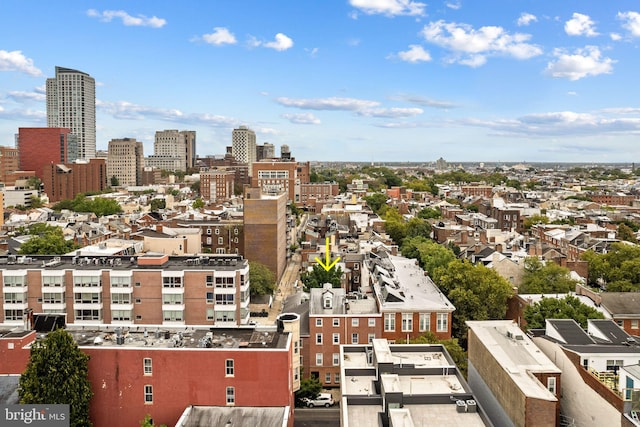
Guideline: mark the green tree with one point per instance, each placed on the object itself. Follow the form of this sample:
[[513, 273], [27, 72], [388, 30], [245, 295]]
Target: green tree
[[158, 204], [535, 219], [318, 276], [454, 349], [195, 187], [545, 278], [263, 281], [624, 233], [309, 389], [148, 422], [57, 373], [417, 227], [34, 182], [198, 204], [46, 240], [477, 293], [376, 201], [394, 225], [429, 213], [568, 307], [114, 181], [618, 270]]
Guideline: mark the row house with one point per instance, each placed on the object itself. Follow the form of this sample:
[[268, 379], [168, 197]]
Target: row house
[[509, 219], [218, 236], [336, 318], [410, 303], [144, 290]]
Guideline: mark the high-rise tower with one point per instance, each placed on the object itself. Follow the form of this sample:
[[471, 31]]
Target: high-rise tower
[[71, 104], [243, 145]]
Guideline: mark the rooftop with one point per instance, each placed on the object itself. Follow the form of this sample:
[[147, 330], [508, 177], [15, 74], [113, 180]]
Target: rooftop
[[516, 353]]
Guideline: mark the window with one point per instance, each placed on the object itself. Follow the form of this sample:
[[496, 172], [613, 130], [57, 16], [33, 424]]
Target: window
[[389, 322], [210, 313], [336, 359], [172, 282], [355, 322], [336, 378], [356, 266], [425, 322], [336, 338], [172, 315], [372, 322], [442, 322], [221, 240], [327, 377], [13, 314], [172, 299], [336, 322], [231, 394], [120, 282], [318, 359], [354, 338], [146, 365], [370, 338], [634, 324], [148, 394], [121, 315], [614, 365], [551, 384], [318, 338], [209, 297], [225, 299], [209, 281], [407, 322], [620, 323], [217, 231], [120, 298], [229, 368], [319, 322]]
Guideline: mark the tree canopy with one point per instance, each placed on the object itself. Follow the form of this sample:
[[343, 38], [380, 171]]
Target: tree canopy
[[100, 206], [568, 307], [46, 240], [545, 278], [309, 389], [376, 201], [618, 270], [318, 276], [263, 281], [57, 373]]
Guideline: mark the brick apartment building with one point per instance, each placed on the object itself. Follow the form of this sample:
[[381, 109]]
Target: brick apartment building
[[139, 371], [337, 317], [275, 177], [65, 181], [39, 147], [217, 185], [147, 290], [265, 229]]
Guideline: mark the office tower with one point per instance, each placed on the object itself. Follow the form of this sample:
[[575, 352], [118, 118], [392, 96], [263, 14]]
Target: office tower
[[71, 104], [243, 145], [265, 229], [173, 150], [66, 181], [38, 147], [125, 161]]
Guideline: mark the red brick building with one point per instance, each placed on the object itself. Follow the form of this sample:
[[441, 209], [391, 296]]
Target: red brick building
[[161, 372], [39, 147], [217, 185], [65, 181]]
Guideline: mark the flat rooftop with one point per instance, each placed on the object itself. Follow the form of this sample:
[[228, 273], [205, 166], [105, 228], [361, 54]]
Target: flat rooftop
[[122, 263], [517, 354], [184, 337]]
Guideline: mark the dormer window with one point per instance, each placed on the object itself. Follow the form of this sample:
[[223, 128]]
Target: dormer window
[[327, 300]]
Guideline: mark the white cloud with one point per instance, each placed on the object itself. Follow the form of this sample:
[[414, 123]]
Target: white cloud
[[33, 116], [312, 52], [416, 53], [615, 37], [471, 47], [525, 19], [580, 25], [302, 119], [389, 7], [390, 112], [219, 37], [631, 22], [128, 20], [282, 42], [20, 96], [582, 63], [453, 5], [426, 102], [333, 103], [572, 93], [16, 61], [125, 110]]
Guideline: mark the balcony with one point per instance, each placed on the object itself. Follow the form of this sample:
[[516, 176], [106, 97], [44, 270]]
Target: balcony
[[87, 306], [54, 306], [127, 307], [16, 305], [14, 289], [173, 307], [122, 290], [173, 291], [87, 289]]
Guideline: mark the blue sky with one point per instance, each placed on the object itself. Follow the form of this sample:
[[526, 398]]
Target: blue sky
[[351, 80]]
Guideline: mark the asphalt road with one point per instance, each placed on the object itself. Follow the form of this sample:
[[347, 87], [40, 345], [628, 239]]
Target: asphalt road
[[317, 417]]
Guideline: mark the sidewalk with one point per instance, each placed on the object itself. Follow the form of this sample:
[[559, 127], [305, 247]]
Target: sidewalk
[[285, 288]]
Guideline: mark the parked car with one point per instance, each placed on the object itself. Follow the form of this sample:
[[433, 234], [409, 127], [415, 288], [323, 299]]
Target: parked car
[[323, 399]]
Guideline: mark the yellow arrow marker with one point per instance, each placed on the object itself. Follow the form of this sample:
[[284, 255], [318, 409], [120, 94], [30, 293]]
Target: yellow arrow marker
[[328, 264]]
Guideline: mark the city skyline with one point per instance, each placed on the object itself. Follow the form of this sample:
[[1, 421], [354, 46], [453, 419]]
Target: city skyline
[[351, 80]]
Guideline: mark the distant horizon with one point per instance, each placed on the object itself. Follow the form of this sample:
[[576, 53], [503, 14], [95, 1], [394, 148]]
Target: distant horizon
[[358, 80]]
